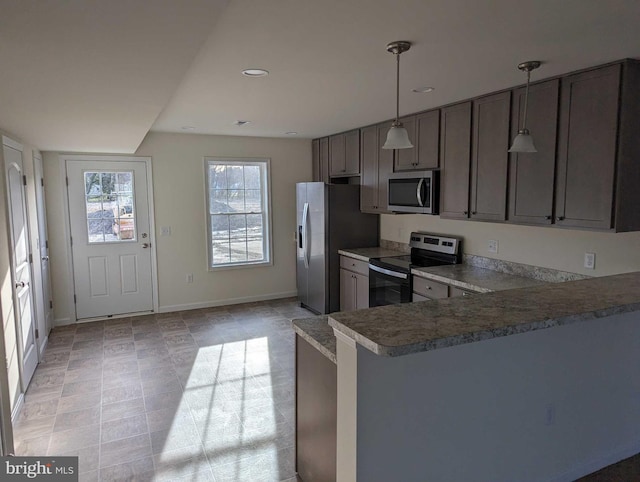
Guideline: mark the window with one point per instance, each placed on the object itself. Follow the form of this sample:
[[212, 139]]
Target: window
[[238, 212], [110, 208]]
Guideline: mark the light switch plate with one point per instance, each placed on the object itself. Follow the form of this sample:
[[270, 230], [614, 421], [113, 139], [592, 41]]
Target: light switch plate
[[590, 260], [492, 247], [165, 231]]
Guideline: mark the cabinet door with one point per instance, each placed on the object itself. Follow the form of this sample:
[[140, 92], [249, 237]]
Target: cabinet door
[[385, 168], [455, 160], [361, 290], [316, 170], [489, 157], [531, 175], [405, 159], [369, 166], [347, 291], [324, 159], [337, 166], [587, 148], [427, 139], [352, 152]]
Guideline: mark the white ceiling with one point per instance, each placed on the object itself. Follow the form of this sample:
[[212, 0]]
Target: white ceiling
[[93, 75]]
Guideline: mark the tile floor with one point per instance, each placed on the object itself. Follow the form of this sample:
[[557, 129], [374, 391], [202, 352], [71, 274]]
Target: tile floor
[[195, 395]]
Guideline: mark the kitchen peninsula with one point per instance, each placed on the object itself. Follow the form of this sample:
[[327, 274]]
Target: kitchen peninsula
[[538, 383]]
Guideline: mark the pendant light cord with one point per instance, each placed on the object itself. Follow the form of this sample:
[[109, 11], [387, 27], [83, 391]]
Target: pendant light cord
[[397, 88], [526, 101]]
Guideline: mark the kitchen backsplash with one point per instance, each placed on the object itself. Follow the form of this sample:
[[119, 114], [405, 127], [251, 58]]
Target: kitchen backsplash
[[509, 267]]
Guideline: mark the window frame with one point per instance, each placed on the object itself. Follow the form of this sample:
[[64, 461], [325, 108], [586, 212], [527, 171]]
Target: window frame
[[266, 203]]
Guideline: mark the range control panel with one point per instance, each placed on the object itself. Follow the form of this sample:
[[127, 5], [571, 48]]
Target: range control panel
[[435, 242]]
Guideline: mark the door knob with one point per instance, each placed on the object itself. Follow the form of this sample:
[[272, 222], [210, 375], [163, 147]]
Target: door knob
[[45, 258], [146, 245], [21, 284]]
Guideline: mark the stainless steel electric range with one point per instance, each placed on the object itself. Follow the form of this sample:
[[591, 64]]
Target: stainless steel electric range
[[390, 280]]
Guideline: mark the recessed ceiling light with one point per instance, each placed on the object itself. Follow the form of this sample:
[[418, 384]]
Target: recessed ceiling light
[[291, 133], [188, 128], [255, 72], [242, 122], [423, 90]]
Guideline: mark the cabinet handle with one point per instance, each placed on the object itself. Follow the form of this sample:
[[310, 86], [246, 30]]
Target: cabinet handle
[[560, 218], [547, 217], [428, 287], [466, 213], [474, 212]]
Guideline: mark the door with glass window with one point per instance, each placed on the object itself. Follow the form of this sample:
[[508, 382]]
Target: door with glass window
[[110, 237]]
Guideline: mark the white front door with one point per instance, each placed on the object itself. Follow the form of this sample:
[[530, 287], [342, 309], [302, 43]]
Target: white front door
[[20, 262], [46, 323], [110, 237]]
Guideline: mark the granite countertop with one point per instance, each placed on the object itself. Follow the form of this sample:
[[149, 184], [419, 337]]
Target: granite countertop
[[407, 328], [363, 254], [480, 280], [318, 333]]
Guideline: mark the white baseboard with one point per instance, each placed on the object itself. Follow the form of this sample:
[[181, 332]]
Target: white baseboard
[[43, 346], [590, 466], [62, 322], [229, 301]]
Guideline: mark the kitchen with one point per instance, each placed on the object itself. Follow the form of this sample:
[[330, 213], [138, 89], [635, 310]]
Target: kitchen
[[177, 147]]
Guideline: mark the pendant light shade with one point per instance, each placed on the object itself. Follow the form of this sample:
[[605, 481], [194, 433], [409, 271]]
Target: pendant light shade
[[523, 142], [398, 137]]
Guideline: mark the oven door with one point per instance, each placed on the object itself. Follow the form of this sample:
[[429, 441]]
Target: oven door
[[388, 287]]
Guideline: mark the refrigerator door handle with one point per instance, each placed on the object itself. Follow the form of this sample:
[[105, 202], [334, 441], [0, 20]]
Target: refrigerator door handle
[[300, 236], [305, 244]]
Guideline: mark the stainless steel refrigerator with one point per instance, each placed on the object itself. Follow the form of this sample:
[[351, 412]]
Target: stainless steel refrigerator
[[329, 219]]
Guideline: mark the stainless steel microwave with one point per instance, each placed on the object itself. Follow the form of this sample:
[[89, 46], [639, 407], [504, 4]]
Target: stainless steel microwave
[[414, 192]]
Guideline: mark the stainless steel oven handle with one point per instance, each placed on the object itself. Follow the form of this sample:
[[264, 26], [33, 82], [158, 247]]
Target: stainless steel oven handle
[[388, 272], [419, 193]]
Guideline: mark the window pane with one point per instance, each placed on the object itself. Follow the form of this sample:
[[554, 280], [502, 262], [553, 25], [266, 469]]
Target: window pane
[[220, 226], [108, 180], [96, 229], [92, 184], [110, 207], [218, 201], [236, 200], [217, 176], [237, 226], [255, 239], [238, 251], [125, 182], [220, 251], [252, 177], [235, 177], [124, 227], [253, 201]]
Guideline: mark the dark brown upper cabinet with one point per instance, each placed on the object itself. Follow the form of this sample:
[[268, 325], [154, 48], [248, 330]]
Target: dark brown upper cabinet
[[599, 148], [344, 154], [424, 134], [376, 165], [324, 159], [489, 157], [531, 175], [455, 160]]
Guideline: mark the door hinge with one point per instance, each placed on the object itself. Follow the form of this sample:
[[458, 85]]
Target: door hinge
[[66, 180], [37, 333], [42, 181], [46, 243], [71, 240], [30, 258], [50, 304], [6, 364], [75, 300], [24, 180]]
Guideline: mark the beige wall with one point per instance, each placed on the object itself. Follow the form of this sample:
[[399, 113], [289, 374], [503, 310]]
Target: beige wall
[[561, 249], [178, 183]]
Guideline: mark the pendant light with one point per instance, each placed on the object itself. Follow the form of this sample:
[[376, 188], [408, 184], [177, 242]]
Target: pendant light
[[397, 137], [523, 142]]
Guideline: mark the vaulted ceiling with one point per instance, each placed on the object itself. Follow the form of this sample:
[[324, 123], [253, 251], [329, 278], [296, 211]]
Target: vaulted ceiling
[[96, 76]]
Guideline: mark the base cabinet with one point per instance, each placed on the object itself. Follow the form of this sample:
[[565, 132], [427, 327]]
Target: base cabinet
[[425, 289], [316, 414], [354, 284]]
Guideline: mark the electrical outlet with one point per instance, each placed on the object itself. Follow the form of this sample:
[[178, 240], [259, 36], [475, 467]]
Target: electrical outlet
[[165, 231], [590, 260], [492, 247], [190, 278]]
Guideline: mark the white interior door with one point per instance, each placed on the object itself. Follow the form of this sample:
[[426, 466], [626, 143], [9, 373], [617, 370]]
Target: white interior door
[[110, 237], [20, 266], [44, 324]]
